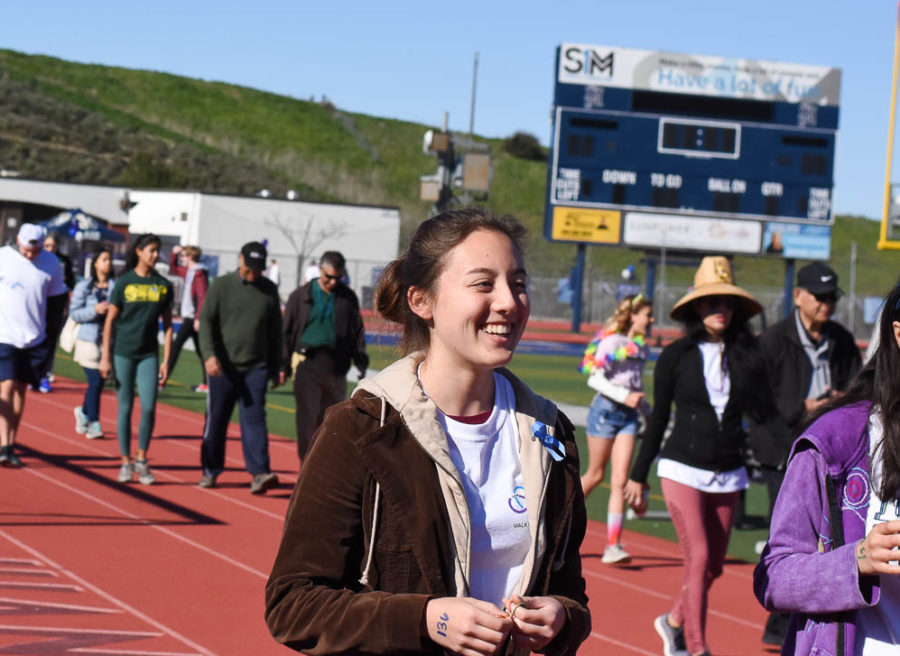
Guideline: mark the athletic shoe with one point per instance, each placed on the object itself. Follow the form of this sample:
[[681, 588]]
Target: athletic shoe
[[44, 387], [8, 457], [614, 554], [94, 431], [673, 639], [81, 421], [202, 388], [207, 481], [126, 473], [263, 482], [142, 469]]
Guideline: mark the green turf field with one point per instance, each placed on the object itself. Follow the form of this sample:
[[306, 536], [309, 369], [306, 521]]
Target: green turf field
[[555, 377]]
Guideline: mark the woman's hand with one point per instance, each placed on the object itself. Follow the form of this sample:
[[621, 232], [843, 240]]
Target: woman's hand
[[101, 307], [634, 493], [876, 551], [537, 620], [634, 399], [467, 626], [163, 372], [105, 367]]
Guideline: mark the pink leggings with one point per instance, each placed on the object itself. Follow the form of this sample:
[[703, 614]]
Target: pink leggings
[[703, 523]]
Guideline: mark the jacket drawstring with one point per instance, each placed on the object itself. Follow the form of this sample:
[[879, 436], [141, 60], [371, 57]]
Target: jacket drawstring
[[364, 579]]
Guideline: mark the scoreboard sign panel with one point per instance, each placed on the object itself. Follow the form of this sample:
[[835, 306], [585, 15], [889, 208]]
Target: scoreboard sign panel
[[656, 138]]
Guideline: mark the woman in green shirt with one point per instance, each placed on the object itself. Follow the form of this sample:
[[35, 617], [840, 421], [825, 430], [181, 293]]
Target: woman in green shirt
[[140, 298]]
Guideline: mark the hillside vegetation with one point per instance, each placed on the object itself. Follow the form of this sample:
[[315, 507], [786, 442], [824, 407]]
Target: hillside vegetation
[[71, 122]]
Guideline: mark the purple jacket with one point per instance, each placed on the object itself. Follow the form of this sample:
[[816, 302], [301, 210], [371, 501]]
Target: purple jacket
[[808, 568]]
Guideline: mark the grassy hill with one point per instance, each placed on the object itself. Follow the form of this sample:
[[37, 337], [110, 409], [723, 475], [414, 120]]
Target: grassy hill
[[98, 124]]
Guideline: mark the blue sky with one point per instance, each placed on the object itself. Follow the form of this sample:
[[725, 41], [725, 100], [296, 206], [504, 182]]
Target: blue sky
[[413, 60]]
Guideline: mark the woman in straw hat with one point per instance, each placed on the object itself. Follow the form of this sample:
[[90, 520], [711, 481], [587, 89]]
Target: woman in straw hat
[[708, 375]]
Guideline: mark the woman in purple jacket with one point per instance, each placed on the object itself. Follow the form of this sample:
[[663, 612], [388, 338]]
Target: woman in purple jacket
[[830, 560]]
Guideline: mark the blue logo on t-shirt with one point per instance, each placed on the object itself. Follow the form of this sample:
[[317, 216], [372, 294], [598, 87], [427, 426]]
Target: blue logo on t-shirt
[[517, 500]]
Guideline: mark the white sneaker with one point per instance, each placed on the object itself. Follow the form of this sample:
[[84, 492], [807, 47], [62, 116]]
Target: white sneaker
[[126, 473], [81, 421], [94, 431], [142, 469], [614, 554]]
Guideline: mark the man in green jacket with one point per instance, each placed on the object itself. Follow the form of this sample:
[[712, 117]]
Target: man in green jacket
[[240, 327]]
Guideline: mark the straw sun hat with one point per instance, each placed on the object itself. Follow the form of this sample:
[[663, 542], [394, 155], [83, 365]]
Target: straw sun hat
[[714, 278]]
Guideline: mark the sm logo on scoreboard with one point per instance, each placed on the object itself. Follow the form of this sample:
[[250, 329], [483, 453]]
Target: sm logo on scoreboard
[[583, 61]]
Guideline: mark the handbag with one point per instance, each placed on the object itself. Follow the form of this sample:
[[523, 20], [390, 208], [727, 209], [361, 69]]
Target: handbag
[[69, 335]]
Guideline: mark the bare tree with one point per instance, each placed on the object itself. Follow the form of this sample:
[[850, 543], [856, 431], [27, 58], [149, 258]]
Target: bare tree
[[304, 233]]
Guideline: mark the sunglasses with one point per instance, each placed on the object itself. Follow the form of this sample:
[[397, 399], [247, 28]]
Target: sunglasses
[[337, 277], [829, 297]]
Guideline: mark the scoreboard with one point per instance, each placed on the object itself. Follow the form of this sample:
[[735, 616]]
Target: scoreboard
[[691, 152]]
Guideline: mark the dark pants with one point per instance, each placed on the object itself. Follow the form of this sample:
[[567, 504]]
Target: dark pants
[[185, 332], [776, 624], [91, 406], [248, 390], [316, 388]]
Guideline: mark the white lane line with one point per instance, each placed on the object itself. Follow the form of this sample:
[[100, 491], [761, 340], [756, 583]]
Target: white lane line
[[105, 595], [653, 593], [91, 447], [34, 585], [624, 645], [598, 533], [150, 524]]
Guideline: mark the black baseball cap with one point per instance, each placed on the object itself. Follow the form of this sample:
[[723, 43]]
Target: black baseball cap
[[255, 255], [818, 278]]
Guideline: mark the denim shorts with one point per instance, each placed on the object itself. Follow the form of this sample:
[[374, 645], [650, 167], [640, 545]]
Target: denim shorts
[[26, 365], [606, 418]]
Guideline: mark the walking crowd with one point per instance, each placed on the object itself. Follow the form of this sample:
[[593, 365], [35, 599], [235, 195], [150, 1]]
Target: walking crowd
[[394, 540]]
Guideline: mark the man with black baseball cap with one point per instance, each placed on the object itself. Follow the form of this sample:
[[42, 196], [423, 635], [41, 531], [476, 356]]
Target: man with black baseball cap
[[809, 359], [240, 336]]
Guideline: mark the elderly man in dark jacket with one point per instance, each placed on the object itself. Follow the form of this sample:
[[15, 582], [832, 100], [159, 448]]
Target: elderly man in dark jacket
[[323, 333], [809, 359]]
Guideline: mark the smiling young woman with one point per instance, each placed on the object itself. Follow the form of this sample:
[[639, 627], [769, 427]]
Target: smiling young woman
[[439, 525]]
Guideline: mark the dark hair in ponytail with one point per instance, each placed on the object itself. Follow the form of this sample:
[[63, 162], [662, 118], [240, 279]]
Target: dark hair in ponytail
[[422, 262], [877, 382], [140, 243]]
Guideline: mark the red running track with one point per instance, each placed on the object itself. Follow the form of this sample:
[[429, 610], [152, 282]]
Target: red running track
[[90, 566]]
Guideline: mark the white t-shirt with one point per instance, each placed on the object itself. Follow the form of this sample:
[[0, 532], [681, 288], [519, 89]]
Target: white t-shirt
[[25, 287], [878, 632], [487, 458], [716, 375]]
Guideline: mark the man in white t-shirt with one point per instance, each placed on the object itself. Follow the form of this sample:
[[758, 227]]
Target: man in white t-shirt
[[33, 295]]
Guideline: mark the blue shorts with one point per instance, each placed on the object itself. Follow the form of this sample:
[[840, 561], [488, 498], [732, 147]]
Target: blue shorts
[[26, 365], [606, 419]]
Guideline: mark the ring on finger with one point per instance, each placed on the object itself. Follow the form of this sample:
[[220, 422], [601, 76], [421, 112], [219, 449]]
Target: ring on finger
[[512, 612]]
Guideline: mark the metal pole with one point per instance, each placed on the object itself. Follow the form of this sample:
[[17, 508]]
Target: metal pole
[[472, 109], [650, 283], [578, 285], [882, 241], [851, 320], [788, 305]]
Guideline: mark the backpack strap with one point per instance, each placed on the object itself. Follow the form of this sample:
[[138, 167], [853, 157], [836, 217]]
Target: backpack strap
[[836, 522]]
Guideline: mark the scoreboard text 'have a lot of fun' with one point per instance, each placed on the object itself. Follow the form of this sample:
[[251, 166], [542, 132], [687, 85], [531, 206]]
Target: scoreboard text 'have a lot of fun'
[[656, 150]]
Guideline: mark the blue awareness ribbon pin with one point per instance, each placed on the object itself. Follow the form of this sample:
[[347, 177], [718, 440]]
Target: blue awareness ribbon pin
[[553, 445]]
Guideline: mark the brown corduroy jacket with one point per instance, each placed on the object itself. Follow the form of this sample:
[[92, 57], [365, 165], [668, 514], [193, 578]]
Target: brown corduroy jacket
[[380, 500]]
